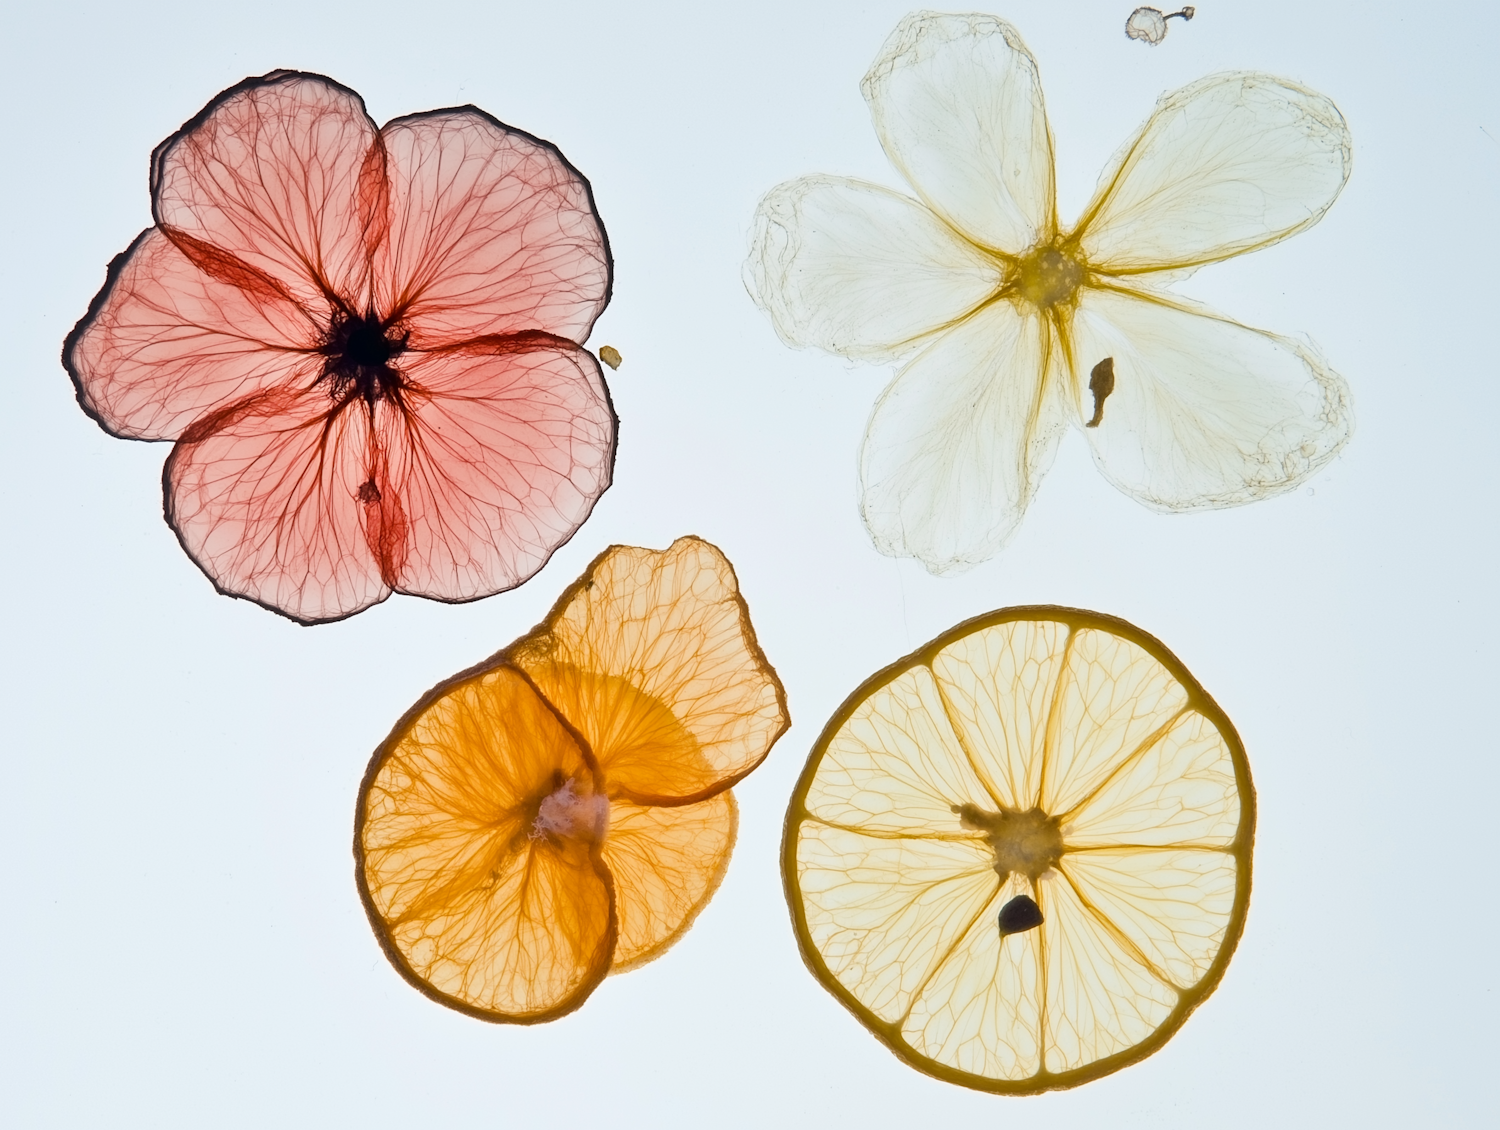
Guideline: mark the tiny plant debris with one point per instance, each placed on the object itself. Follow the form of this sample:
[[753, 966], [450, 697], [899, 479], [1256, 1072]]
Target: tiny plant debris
[[610, 356], [1021, 855], [1000, 313], [1150, 26], [366, 345], [562, 810]]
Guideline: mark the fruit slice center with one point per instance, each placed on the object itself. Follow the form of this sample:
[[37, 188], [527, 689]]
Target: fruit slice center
[[567, 813], [1025, 843]]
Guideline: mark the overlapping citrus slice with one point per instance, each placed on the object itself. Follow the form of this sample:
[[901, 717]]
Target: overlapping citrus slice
[[1021, 855], [562, 810]]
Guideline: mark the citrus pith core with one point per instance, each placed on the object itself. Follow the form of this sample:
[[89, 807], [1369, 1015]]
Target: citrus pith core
[[1025, 843], [1021, 855]]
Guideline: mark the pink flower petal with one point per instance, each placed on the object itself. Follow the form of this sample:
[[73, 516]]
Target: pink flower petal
[[272, 498], [165, 343], [505, 448], [492, 232], [286, 174]]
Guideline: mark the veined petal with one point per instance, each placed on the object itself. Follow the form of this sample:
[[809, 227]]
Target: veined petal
[[959, 440], [501, 452], [266, 497], [1205, 412], [860, 270], [492, 232], [1228, 164], [957, 103], [283, 173], [165, 343]]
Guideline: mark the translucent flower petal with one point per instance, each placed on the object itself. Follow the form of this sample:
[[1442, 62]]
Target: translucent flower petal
[[166, 343], [959, 440], [860, 270], [500, 455], [1205, 412], [266, 497], [1228, 164], [492, 232], [957, 104], [284, 174]]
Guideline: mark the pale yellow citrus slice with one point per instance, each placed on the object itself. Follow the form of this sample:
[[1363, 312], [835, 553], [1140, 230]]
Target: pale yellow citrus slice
[[562, 811], [1021, 855]]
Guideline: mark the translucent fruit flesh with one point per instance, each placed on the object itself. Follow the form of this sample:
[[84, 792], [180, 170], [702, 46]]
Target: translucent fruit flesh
[[1021, 855], [562, 811]]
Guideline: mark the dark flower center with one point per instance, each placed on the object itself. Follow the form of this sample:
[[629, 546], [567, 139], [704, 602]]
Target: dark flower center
[[357, 351]]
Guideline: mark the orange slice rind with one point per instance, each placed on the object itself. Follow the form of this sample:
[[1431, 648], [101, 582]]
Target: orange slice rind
[[562, 810], [1021, 855]]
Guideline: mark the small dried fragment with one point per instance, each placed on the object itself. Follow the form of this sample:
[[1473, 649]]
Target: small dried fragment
[[1150, 26], [1101, 384], [562, 811], [610, 356]]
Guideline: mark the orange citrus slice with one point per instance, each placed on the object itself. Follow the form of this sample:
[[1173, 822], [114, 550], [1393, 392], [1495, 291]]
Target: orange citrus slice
[[562, 810], [1021, 855]]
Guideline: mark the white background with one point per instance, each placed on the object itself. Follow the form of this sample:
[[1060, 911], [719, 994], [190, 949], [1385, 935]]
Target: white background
[[181, 940]]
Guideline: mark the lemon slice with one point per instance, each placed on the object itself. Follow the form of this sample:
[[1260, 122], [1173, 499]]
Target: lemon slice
[[1021, 855]]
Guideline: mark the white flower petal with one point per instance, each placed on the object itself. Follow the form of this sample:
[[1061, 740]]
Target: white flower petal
[[1205, 412], [959, 440], [958, 106], [860, 270], [1225, 165]]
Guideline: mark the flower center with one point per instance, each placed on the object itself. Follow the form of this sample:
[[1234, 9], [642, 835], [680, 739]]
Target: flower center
[[357, 353], [1027, 843], [1049, 276]]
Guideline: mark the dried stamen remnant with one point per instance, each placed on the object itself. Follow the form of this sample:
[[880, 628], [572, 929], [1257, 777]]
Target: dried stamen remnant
[[1101, 384], [1019, 915], [1025, 843], [1150, 26], [610, 356]]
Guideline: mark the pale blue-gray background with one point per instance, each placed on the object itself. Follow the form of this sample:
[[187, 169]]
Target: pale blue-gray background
[[181, 944]]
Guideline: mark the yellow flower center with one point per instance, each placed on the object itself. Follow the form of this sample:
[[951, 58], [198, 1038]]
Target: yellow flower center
[[1026, 843], [1049, 276]]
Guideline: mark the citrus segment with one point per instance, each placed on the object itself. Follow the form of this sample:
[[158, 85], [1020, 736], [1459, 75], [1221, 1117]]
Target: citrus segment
[[666, 863], [1170, 905], [982, 1008], [1113, 697], [1100, 999], [1179, 789], [1021, 855], [535, 823], [1003, 739], [881, 911], [897, 766]]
